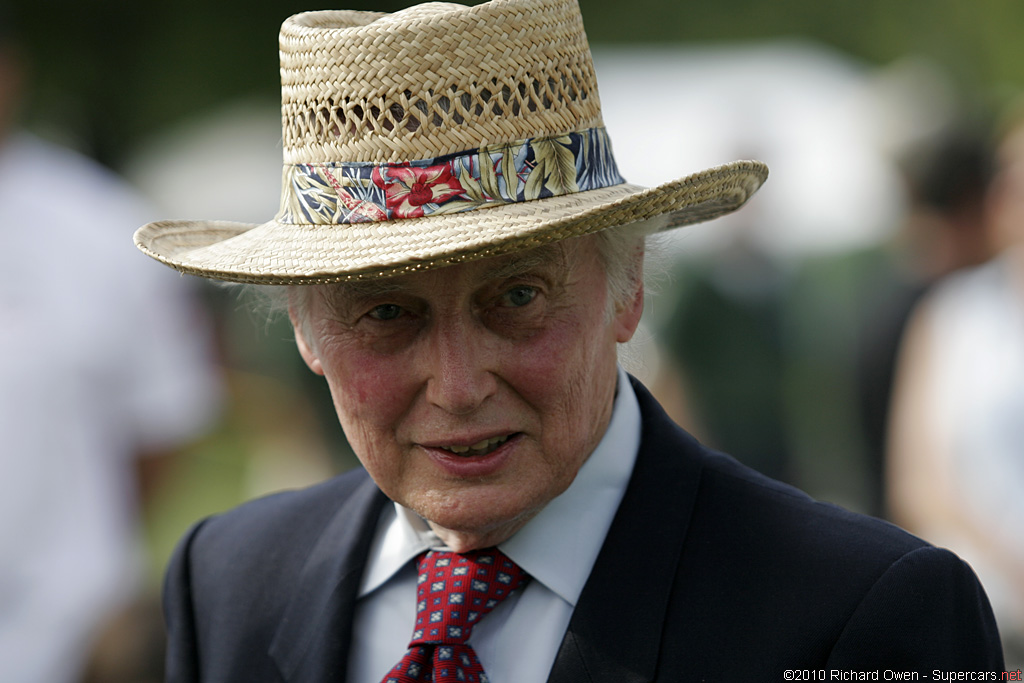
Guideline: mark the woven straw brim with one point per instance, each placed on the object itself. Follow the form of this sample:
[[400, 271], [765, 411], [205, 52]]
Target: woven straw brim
[[282, 254]]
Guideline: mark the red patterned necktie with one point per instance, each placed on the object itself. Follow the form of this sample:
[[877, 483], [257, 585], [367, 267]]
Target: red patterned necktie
[[454, 592]]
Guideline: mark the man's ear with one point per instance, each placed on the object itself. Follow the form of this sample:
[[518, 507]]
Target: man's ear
[[627, 315], [305, 348], [627, 318]]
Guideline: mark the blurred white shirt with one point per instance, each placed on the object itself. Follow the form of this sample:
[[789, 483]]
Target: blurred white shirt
[[977, 357], [102, 356]]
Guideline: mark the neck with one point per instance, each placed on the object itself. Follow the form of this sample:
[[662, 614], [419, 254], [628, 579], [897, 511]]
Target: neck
[[465, 541]]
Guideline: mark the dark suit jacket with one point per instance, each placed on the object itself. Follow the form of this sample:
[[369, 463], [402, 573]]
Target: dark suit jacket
[[710, 572]]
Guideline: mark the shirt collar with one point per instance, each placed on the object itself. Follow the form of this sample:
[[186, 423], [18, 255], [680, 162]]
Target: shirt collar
[[559, 546]]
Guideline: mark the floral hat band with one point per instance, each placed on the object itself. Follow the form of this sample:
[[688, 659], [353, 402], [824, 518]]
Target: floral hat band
[[333, 193]]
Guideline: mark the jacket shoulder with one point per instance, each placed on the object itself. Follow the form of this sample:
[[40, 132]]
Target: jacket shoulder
[[739, 504], [749, 503], [266, 540], [300, 513], [233, 576], [792, 582]]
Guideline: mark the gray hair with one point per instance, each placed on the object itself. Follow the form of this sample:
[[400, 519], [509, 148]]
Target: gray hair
[[622, 253]]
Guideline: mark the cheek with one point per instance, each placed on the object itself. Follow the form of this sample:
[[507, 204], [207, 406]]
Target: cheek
[[369, 393], [563, 368]]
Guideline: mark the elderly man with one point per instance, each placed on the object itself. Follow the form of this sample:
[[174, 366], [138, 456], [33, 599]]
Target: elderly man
[[463, 259]]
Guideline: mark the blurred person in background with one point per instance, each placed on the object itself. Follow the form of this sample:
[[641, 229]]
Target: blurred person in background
[[947, 177], [723, 354], [956, 442], [97, 388]]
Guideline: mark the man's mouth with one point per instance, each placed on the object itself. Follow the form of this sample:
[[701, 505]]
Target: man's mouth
[[480, 448]]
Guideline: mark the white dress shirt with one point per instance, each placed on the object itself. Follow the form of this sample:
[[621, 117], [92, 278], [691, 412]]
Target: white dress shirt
[[518, 641]]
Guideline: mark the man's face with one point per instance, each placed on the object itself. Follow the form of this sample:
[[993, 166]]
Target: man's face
[[472, 394]]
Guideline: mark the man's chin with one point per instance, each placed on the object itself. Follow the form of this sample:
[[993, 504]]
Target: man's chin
[[474, 522]]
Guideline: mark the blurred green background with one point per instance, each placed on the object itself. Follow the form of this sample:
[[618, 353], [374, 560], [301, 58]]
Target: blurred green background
[[111, 73]]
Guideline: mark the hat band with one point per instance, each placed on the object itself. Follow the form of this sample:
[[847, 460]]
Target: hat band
[[337, 193]]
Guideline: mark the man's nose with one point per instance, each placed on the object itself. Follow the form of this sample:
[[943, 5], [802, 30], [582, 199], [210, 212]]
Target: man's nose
[[461, 373]]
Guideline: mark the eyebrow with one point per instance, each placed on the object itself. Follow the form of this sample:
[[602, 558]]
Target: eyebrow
[[526, 261], [511, 266], [367, 288], [340, 294]]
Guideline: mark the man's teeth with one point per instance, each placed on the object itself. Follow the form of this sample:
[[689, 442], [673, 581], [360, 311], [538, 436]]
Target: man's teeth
[[479, 448]]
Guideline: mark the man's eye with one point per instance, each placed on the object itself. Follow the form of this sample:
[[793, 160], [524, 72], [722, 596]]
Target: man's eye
[[386, 312], [519, 296]]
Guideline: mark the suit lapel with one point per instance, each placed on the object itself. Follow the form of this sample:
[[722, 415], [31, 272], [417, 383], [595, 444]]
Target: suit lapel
[[312, 640], [614, 635]]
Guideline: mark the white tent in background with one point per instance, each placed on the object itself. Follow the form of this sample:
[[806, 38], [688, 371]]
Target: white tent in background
[[820, 121]]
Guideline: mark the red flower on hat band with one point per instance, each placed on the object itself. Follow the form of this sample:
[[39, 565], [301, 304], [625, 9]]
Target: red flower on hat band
[[408, 188]]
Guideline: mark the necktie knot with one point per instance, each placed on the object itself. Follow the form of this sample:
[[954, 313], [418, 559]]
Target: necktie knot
[[455, 591]]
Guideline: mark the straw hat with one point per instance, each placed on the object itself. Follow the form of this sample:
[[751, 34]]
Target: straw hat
[[436, 135]]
